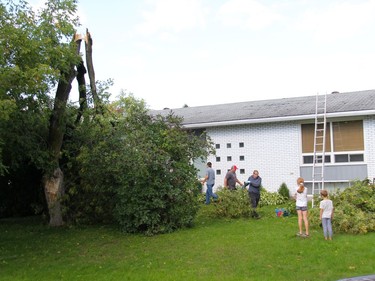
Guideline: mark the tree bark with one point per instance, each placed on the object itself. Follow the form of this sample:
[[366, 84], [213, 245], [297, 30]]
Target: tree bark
[[90, 69], [54, 190], [81, 71], [54, 179]]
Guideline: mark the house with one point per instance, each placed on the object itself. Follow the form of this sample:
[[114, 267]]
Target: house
[[276, 137]]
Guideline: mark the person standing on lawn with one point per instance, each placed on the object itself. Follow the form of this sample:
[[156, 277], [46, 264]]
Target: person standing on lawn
[[326, 214], [230, 179], [301, 207], [209, 179], [254, 182]]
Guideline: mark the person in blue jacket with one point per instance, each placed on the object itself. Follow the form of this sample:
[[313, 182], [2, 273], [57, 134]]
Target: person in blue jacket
[[254, 182]]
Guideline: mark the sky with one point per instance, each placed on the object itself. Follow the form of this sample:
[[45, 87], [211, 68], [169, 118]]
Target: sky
[[172, 53]]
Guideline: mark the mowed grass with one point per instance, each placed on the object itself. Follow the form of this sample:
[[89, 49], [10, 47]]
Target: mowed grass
[[214, 249]]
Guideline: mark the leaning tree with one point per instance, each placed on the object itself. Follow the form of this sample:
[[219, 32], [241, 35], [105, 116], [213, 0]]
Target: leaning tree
[[40, 59]]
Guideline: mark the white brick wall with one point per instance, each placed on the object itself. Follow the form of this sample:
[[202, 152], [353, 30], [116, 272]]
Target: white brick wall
[[274, 149], [369, 139]]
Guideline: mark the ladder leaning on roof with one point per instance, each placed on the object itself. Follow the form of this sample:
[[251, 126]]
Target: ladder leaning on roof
[[319, 145]]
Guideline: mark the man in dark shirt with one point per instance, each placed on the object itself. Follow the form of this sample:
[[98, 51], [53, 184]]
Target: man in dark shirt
[[254, 182], [230, 179]]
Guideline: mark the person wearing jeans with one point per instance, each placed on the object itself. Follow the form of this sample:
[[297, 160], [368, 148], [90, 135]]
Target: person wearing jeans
[[209, 179], [326, 214]]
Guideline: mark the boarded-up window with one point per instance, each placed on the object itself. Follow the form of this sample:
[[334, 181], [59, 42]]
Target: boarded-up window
[[308, 138], [348, 136]]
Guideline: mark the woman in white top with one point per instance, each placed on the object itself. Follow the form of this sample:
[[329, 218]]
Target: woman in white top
[[301, 207]]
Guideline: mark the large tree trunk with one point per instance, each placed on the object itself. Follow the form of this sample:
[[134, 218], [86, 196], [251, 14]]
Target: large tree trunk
[[54, 179], [54, 190]]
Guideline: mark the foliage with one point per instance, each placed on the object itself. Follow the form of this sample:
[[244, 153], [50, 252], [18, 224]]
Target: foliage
[[235, 204], [270, 198], [354, 209], [232, 204], [35, 48], [284, 191], [139, 167]]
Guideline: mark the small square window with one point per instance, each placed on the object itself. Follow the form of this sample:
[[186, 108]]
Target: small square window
[[229, 145], [229, 158], [242, 158], [218, 159], [218, 172], [241, 144], [217, 146], [242, 171]]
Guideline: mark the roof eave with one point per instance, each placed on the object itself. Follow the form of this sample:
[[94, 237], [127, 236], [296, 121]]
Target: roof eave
[[277, 119]]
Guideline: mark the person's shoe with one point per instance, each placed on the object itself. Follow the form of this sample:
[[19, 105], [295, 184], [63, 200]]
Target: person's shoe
[[299, 234], [305, 235]]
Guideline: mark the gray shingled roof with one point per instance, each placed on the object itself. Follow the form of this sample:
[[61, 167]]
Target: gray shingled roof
[[275, 108]]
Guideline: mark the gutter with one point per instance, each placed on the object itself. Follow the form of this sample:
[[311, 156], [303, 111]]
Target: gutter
[[276, 119]]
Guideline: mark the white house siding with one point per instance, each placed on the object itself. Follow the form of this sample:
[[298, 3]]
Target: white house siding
[[369, 139], [273, 148]]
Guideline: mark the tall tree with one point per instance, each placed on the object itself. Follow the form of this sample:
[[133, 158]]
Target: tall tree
[[38, 53]]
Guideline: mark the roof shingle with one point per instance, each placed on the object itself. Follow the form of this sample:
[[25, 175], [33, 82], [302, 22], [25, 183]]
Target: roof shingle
[[274, 108]]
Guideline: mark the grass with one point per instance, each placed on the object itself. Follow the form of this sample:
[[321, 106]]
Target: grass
[[214, 249]]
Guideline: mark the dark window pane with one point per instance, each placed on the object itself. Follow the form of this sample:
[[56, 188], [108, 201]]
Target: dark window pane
[[356, 157], [341, 158], [308, 159]]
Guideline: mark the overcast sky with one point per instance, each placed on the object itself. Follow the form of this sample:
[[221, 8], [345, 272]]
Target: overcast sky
[[201, 52]]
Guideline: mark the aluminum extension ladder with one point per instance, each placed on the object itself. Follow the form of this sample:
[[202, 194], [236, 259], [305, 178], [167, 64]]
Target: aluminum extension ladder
[[319, 145]]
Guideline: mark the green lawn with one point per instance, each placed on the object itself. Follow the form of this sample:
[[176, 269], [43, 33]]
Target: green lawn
[[214, 249]]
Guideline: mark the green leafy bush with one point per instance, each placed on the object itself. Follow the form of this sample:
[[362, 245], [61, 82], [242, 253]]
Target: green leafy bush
[[270, 198], [232, 204], [235, 204], [284, 190], [137, 170], [354, 209]]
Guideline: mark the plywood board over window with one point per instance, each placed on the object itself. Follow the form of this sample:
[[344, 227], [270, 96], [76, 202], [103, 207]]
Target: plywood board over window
[[348, 136], [308, 138]]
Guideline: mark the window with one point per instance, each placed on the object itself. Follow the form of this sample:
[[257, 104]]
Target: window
[[241, 144], [309, 159], [348, 136], [218, 159], [242, 158], [308, 138], [217, 146], [242, 171], [343, 158], [229, 158], [218, 172], [340, 137], [356, 157], [229, 145]]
